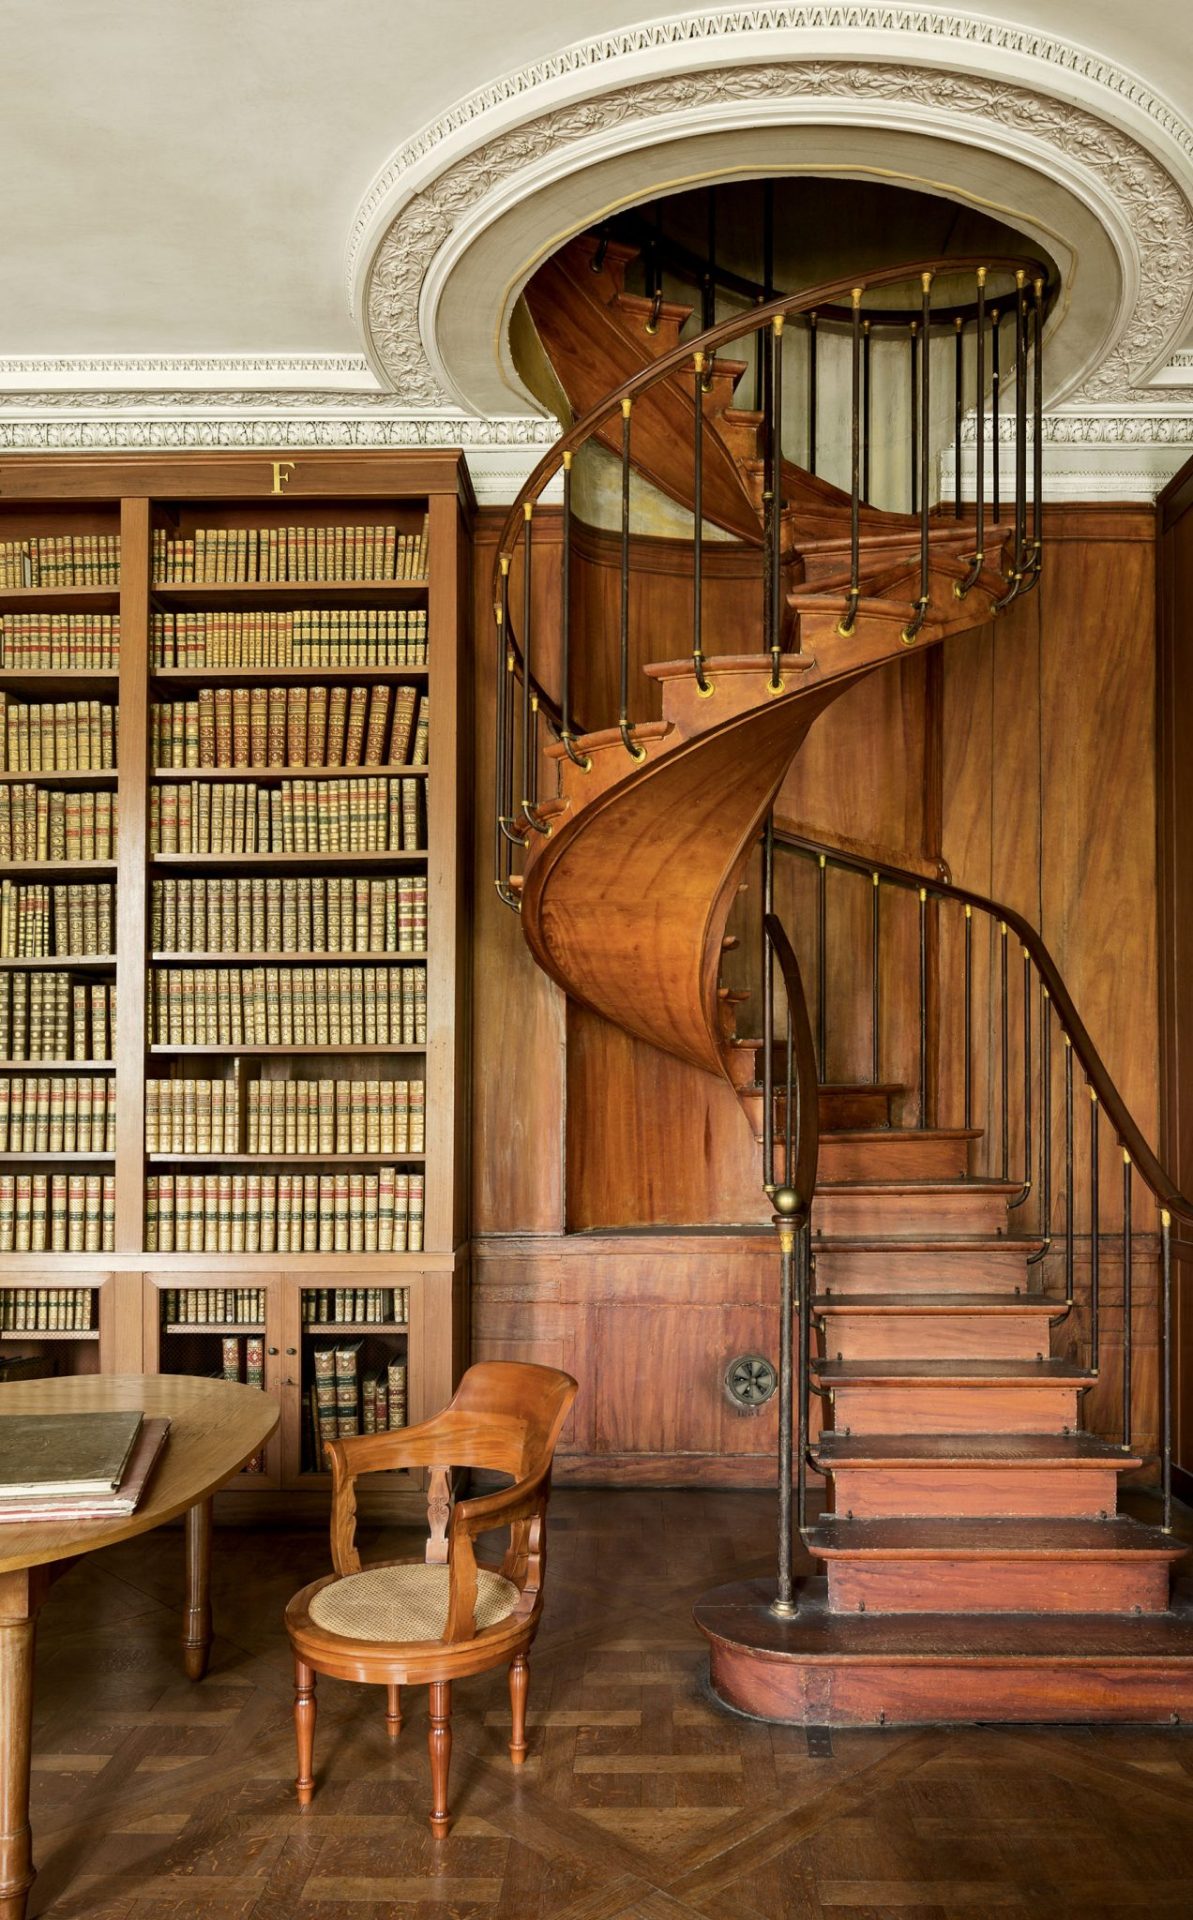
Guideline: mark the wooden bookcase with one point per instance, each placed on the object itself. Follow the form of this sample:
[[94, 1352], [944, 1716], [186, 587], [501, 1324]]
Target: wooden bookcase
[[128, 1330]]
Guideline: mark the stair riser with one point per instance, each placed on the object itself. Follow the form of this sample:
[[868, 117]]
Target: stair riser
[[827, 1693], [998, 1269], [935, 1336], [898, 1156], [850, 1107], [1037, 1585], [884, 1493], [964, 1408], [976, 1211]]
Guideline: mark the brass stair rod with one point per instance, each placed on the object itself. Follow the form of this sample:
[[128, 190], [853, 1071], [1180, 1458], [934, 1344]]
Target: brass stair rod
[[866, 411], [567, 734], [784, 1601], [1166, 1367], [768, 1008], [1070, 1262], [923, 1007], [1004, 1055], [920, 609], [1033, 555], [995, 387], [846, 624], [1128, 1278], [915, 415], [1095, 1213], [703, 686], [958, 409], [875, 979], [1018, 571], [1025, 1190], [775, 608], [1045, 1133], [638, 753], [968, 1017], [963, 586], [530, 705], [812, 380]]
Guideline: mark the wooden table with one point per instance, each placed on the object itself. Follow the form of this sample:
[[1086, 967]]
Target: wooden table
[[215, 1426]]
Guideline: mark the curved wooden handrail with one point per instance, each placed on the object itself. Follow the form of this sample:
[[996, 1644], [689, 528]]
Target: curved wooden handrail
[[1167, 1194], [805, 1081]]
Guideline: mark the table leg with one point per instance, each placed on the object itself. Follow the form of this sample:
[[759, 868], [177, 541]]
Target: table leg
[[196, 1621], [18, 1608]]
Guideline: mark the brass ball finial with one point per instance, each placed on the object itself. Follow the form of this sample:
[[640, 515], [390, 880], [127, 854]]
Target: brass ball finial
[[785, 1200]]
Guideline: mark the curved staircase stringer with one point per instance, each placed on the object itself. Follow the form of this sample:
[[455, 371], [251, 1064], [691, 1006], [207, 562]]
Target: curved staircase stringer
[[674, 837]]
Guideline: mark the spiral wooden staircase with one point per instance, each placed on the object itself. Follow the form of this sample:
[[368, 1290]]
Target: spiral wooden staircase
[[977, 1564]]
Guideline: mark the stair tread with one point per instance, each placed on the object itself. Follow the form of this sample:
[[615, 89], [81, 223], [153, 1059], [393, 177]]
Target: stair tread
[[741, 1611], [904, 1538], [906, 1185], [971, 1450], [936, 1303], [964, 1372]]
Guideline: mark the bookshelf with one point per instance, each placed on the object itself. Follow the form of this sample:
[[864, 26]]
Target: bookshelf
[[233, 1007]]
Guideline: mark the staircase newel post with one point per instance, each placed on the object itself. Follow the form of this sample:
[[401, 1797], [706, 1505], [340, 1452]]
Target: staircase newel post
[[1166, 1366], [784, 1604]]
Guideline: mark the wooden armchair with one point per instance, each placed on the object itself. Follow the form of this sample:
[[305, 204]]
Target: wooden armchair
[[438, 1620]]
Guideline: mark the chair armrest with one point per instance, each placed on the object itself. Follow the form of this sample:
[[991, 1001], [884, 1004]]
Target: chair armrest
[[524, 1506]]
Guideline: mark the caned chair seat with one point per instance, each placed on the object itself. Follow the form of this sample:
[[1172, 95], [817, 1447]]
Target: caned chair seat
[[405, 1602], [414, 1623]]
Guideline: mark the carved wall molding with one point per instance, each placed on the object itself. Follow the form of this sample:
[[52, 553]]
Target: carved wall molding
[[934, 71]]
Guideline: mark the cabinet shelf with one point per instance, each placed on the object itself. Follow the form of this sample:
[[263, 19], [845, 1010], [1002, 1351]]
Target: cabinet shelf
[[280, 676], [322, 1327], [57, 1066], [252, 1051], [215, 1326], [279, 1159], [69, 777], [265, 862], [305, 958], [59, 1159], [50, 1333], [397, 771], [59, 869], [243, 593]]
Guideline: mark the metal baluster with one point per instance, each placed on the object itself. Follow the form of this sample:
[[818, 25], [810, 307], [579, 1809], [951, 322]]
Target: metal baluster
[[1095, 1250], [962, 587], [530, 705], [626, 731], [915, 416], [768, 1009], [768, 273], [1070, 1267], [923, 1006], [811, 393], [784, 1602], [567, 736], [1005, 1058], [920, 611], [775, 610], [654, 271], [703, 686], [846, 624], [1033, 555], [501, 859], [866, 411], [995, 386], [804, 1279], [1045, 1127], [708, 305], [875, 979], [958, 409], [1027, 1084], [1128, 1276], [1165, 1367], [821, 961], [1015, 577], [969, 1016]]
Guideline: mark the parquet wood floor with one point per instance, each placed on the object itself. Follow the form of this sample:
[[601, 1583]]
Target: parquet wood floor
[[640, 1800]]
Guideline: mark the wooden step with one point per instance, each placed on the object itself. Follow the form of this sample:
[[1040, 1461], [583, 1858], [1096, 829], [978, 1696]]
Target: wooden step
[[842, 1106], [953, 1396], [864, 1670], [917, 1264], [884, 1154], [936, 1326], [994, 1566], [609, 761], [879, 1476], [635, 311], [901, 1207]]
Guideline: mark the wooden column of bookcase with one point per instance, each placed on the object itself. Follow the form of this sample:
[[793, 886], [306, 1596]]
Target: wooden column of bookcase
[[43, 497]]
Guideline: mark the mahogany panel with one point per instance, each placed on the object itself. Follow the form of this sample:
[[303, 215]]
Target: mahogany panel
[[1058, 1492], [1041, 1585]]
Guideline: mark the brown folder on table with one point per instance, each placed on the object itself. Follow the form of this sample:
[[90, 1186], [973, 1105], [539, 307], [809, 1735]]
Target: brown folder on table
[[108, 1505]]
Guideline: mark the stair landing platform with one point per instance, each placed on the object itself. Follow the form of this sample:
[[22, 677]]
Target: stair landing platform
[[825, 1669]]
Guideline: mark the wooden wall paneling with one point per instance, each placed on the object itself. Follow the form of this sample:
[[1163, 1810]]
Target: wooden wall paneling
[[1174, 703], [518, 1015], [231, 476], [652, 1141], [131, 882]]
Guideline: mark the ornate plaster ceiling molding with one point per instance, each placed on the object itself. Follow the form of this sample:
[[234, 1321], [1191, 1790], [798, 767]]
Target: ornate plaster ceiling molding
[[939, 72]]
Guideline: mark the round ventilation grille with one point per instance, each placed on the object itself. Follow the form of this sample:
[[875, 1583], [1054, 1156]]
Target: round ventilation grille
[[750, 1380]]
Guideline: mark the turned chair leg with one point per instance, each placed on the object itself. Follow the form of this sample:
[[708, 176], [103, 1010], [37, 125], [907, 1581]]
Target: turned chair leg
[[519, 1688], [304, 1729], [440, 1742], [393, 1711]]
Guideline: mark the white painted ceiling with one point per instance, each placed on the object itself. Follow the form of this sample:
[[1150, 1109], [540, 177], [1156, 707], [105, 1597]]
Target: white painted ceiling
[[181, 176]]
